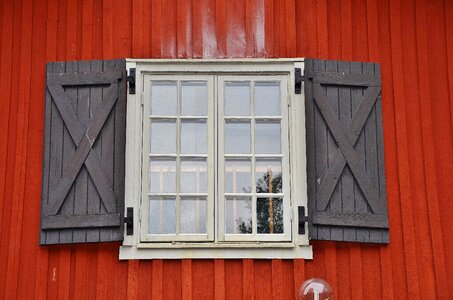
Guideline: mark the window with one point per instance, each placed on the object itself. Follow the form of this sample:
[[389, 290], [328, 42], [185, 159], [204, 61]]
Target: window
[[210, 165], [215, 158]]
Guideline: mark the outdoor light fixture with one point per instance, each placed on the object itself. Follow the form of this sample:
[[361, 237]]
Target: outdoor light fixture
[[315, 289]]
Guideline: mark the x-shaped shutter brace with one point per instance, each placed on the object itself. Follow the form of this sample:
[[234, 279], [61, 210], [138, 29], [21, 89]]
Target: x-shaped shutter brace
[[346, 139], [84, 139]]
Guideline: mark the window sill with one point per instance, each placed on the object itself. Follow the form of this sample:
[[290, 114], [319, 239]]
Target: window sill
[[236, 251]]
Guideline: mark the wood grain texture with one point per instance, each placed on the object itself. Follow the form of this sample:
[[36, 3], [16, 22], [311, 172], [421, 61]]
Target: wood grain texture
[[90, 113], [411, 39], [343, 139]]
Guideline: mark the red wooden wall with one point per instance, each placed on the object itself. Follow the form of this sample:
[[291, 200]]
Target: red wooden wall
[[413, 40]]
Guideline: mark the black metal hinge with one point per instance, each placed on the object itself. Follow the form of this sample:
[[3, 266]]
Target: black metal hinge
[[129, 221], [298, 78], [302, 219], [131, 80]]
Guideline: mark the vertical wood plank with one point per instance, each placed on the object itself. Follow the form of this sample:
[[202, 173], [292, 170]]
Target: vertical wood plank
[[19, 173], [403, 163], [321, 149], [277, 279], [119, 116], [397, 257], [156, 29], [219, 279], [145, 279], [299, 275], [263, 278], [69, 149], [107, 152], [27, 275], [156, 287], [94, 205], [233, 279], [221, 30], [186, 278], [438, 244], [248, 279], [133, 279]]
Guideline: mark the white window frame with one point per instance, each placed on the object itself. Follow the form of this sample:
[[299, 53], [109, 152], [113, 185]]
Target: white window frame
[[134, 246]]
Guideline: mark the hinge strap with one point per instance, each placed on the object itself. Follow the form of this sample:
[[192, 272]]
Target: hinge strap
[[129, 221], [298, 80], [131, 80], [302, 219]]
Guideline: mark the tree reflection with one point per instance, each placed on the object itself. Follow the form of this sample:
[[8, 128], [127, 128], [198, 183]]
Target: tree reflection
[[268, 183]]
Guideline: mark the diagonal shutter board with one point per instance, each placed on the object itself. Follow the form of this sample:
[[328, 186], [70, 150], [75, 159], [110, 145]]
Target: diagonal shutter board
[[84, 143], [345, 155]]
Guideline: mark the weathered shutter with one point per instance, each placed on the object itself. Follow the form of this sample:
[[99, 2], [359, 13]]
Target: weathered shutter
[[84, 143], [345, 157]]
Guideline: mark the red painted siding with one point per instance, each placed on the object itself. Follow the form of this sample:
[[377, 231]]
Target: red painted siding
[[413, 40]]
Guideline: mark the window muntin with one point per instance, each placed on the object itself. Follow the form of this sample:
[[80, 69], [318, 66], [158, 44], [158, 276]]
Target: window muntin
[[178, 171], [254, 181]]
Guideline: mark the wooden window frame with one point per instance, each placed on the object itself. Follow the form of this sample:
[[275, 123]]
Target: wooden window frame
[[294, 245]]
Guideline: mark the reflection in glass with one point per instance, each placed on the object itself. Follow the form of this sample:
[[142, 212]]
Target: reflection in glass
[[163, 137], [194, 137], [268, 175], [163, 98], [193, 215], [237, 98], [194, 176], [162, 215], [267, 98], [194, 98], [162, 177], [269, 213], [237, 137], [267, 137], [238, 176], [238, 215]]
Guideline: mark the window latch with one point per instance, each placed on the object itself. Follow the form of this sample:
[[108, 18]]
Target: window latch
[[131, 79], [129, 221], [302, 219], [298, 80]]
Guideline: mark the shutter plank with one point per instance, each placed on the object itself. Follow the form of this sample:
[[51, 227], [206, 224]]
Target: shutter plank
[[321, 151], [120, 152], [107, 152], [347, 179], [80, 200], [83, 114], [56, 152], [346, 183], [69, 148], [333, 99], [94, 205]]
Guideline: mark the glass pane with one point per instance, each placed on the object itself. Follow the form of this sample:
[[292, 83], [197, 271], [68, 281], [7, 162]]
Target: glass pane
[[162, 177], [237, 137], [193, 215], [238, 215], [267, 137], [194, 177], [267, 98], [268, 176], [238, 176], [163, 137], [194, 99], [237, 98], [193, 137], [163, 98], [162, 215], [269, 213]]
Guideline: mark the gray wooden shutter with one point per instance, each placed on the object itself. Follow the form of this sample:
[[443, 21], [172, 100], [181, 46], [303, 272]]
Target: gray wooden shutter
[[345, 157], [84, 143]]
